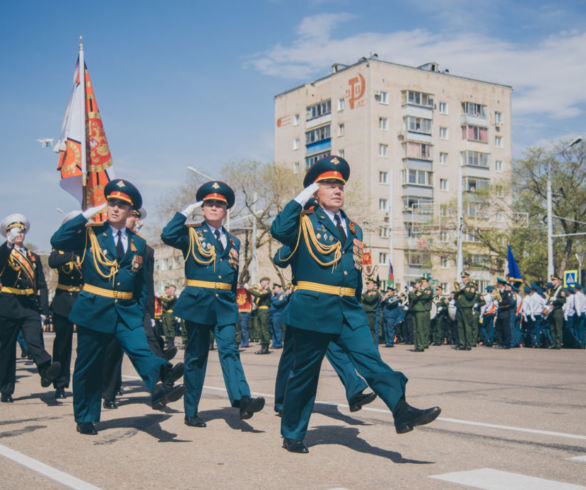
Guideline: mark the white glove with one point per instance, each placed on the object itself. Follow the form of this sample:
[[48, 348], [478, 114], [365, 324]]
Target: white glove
[[91, 212], [188, 211], [153, 323], [12, 234], [306, 194]]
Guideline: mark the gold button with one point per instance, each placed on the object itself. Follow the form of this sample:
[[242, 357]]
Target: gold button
[[219, 277], [118, 284], [345, 273], [115, 301], [217, 294]]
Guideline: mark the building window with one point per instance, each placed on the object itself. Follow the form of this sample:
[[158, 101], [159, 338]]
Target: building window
[[341, 104], [383, 232], [382, 258], [382, 177], [419, 205], [474, 184], [475, 158], [382, 97], [296, 167], [475, 133], [309, 161], [341, 153], [498, 165], [444, 262], [443, 132], [498, 117], [418, 177], [382, 204], [296, 120], [443, 236], [443, 107], [417, 98], [474, 110], [498, 141], [443, 158], [320, 109], [382, 150], [383, 123], [421, 151], [443, 183], [341, 129], [443, 210], [296, 144], [417, 124], [318, 134], [500, 191], [470, 237]]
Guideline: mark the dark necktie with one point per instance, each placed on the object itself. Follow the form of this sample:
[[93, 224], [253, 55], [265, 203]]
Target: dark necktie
[[119, 246], [340, 227], [220, 246]]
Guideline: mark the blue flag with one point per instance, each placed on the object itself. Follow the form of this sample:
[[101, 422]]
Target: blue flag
[[514, 273]]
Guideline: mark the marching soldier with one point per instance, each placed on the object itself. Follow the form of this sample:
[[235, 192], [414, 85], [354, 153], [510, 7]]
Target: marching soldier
[[371, 303], [68, 265], [420, 301], [111, 304], [262, 299], [465, 300], [354, 385], [208, 301], [23, 299], [325, 306]]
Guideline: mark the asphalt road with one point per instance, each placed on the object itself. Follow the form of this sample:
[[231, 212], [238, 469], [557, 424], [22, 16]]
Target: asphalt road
[[510, 419]]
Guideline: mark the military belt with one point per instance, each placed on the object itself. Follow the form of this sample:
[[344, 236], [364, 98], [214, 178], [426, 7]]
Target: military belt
[[71, 289], [208, 284], [263, 307], [20, 292], [108, 293], [325, 288]]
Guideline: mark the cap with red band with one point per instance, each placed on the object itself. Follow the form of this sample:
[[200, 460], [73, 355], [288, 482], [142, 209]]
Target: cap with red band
[[329, 168], [216, 191]]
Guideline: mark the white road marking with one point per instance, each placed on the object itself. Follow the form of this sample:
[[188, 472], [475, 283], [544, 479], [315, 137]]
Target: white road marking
[[579, 459], [440, 419], [490, 479], [46, 470]]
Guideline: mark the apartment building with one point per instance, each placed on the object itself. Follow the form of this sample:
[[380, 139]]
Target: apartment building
[[412, 136]]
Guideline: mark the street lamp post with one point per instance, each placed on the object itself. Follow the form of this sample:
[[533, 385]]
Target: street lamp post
[[550, 270]]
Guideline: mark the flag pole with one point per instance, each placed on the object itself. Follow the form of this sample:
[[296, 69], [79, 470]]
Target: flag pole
[[84, 119]]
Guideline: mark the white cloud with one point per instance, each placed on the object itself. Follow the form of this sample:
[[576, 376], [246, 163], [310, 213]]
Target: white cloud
[[547, 77]]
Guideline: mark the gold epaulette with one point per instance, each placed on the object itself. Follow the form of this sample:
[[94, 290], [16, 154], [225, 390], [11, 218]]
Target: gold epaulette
[[194, 225], [91, 224], [308, 211]]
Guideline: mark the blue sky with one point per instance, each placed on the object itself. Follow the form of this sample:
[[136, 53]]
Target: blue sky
[[184, 83]]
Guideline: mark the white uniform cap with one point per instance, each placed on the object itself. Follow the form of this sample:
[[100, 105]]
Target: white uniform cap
[[14, 219]]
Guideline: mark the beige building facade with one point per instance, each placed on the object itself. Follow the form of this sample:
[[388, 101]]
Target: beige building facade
[[408, 134]]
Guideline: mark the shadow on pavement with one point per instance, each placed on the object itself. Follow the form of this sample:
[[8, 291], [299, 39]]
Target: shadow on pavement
[[150, 424], [348, 436], [231, 417], [334, 413]]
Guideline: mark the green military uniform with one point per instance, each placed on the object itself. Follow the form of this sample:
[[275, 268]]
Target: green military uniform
[[478, 304], [420, 301], [371, 303], [262, 299], [168, 319], [465, 300]]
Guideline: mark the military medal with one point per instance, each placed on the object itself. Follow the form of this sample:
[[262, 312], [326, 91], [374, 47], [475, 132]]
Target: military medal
[[136, 263]]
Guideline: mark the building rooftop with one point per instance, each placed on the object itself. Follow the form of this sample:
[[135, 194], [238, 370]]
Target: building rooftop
[[431, 67]]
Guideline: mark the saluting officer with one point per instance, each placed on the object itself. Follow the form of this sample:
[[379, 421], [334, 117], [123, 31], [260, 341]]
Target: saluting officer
[[112, 303], [68, 265], [23, 298], [326, 261], [208, 301]]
